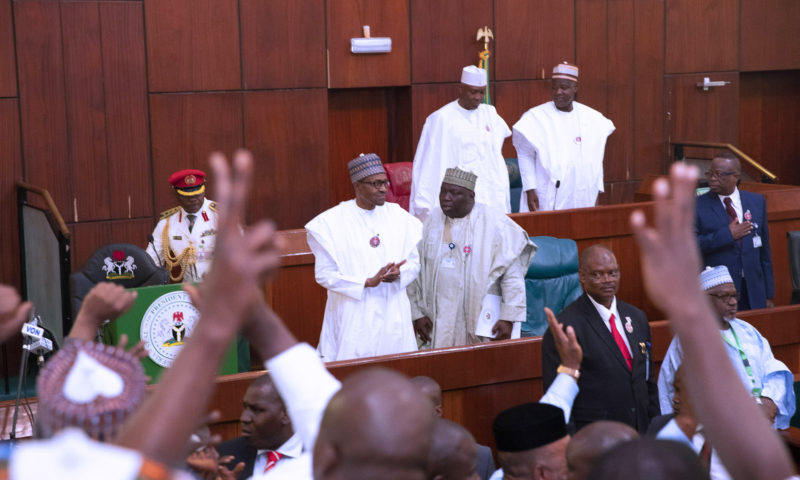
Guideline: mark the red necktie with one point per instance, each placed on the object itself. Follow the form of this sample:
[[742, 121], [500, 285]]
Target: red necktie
[[731, 214], [620, 342], [272, 459]]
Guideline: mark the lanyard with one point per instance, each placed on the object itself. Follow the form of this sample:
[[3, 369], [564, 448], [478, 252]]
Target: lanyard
[[756, 391]]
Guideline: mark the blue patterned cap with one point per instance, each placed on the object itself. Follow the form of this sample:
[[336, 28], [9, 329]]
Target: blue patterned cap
[[714, 276], [364, 165]]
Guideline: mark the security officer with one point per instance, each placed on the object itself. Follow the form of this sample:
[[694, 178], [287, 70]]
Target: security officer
[[183, 240]]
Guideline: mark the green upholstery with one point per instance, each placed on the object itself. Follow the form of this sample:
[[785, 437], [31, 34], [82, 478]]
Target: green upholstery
[[515, 182], [551, 281]]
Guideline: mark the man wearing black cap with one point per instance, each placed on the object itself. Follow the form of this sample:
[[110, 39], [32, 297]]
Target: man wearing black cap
[[183, 240], [365, 255]]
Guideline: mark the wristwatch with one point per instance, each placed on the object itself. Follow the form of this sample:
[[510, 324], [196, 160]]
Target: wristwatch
[[576, 374]]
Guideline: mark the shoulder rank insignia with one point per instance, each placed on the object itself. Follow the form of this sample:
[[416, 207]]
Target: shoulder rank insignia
[[213, 206], [168, 213]]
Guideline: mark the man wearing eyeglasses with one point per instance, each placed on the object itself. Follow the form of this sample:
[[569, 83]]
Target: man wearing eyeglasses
[[731, 229], [616, 380], [768, 380], [365, 253]]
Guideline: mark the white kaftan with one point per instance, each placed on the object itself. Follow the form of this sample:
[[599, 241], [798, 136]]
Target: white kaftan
[[471, 140], [564, 148], [363, 322]]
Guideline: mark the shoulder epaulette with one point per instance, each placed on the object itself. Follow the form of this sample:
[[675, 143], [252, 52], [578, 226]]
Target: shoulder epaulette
[[170, 212], [213, 206]]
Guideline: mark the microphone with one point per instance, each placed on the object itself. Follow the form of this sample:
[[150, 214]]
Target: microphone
[[558, 184], [151, 240], [34, 342]]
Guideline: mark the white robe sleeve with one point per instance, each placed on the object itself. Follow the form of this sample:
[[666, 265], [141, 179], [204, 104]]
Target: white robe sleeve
[[561, 394], [157, 252], [777, 384], [527, 156], [328, 274], [672, 360], [512, 288], [427, 170], [410, 270]]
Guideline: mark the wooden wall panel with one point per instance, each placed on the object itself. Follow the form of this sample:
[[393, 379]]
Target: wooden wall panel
[[11, 166], [85, 101], [515, 98], [283, 43], [127, 122], [770, 35], [591, 46], [619, 149], [532, 36], [41, 80], [283, 137], [90, 236], [192, 45], [386, 18], [305, 310], [769, 115], [8, 65], [440, 51], [357, 123], [702, 35], [185, 130], [648, 115], [698, 115]]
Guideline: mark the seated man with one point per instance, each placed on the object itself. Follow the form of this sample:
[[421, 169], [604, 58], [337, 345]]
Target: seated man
[[617, 381], [473, 263], [591, 443], [768, 380], [454, 453], [267, 434]]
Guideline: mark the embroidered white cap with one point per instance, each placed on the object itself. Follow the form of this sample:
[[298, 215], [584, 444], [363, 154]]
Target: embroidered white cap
[[473, 76], [714, 276]]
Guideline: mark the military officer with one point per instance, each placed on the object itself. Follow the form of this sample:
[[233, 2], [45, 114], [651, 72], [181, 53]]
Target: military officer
[[183, 240]]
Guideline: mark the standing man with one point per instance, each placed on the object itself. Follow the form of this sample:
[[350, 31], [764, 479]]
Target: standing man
[[560, 145], [731, 229], [183, 240], [474, 257], [365, 253], [468, 134], [617, 381], [267, 434], [768, 380]]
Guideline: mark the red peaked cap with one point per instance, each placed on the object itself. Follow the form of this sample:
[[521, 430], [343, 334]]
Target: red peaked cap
[[190, 178]]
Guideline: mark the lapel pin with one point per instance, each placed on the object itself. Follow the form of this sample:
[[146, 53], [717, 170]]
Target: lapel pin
[[628, 325]]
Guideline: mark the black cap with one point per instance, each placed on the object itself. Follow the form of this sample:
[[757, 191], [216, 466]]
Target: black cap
[[528, 426]]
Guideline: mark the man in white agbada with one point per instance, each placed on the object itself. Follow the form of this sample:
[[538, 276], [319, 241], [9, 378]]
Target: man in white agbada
[[365, 253], [768, 380], [560, 146], [471, 287], [468, 134]]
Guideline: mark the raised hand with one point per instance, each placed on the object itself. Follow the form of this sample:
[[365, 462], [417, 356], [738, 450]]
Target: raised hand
[[13, 312], [105, 301], [569, 350]]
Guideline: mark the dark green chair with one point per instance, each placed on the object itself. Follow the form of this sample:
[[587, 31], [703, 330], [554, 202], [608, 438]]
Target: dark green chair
[[515, 182], [795, 421], [551, 281]]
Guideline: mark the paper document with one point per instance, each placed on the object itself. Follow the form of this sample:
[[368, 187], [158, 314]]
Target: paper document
[[490, 314]]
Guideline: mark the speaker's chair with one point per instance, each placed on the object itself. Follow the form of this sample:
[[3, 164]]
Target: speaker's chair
[[399, 174]]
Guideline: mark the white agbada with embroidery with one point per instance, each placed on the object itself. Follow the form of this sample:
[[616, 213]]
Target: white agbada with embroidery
[[471, 140], [363, 322], [565, 147]]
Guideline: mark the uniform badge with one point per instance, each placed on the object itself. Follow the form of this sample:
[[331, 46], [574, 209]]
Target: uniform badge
[[628, 325], [118, 267], [208, 233], [578, 140], [467, 250], [747, 215], [374, 241], [488, 129]]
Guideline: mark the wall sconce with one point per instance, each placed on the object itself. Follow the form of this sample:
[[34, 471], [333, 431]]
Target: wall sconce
[[368, 44]]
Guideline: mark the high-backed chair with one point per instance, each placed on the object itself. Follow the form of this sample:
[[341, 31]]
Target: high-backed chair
[[514, 182], [121, 263], [793, 240], [551, 281], [399, 174]]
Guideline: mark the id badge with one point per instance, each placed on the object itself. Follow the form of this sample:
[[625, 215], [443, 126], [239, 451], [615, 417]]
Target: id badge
[[448, 262], [757, 241]]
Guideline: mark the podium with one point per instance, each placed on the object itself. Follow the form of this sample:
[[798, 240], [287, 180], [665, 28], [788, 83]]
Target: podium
[[164, 317]]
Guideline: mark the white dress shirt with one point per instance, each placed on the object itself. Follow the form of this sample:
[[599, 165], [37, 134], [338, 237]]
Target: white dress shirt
[[736, 202], [290, 449], [605, 314]]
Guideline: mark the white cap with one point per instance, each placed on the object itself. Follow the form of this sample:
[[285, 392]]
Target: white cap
[[566, 71], [713, 276], [473, 76]]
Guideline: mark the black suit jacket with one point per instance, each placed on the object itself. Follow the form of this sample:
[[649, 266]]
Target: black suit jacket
[[608, 389], [242, 452]]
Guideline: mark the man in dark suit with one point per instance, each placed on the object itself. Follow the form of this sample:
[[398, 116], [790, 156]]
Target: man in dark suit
[[616, 378], [731, 229], [267, 434]]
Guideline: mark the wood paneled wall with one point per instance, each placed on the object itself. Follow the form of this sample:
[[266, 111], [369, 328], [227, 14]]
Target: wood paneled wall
[[101, 100]]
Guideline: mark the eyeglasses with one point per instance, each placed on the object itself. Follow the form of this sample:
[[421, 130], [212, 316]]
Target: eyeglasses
[[725, 297], [377, 184], [719, 175], [597, 276]]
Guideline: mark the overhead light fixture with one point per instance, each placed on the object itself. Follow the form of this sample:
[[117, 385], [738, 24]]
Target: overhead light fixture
[[368, 44]]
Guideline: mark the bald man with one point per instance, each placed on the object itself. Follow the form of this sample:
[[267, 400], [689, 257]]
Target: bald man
[[650, 459], [591, 443], [617, 377], [453, 452], [484, 464]]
